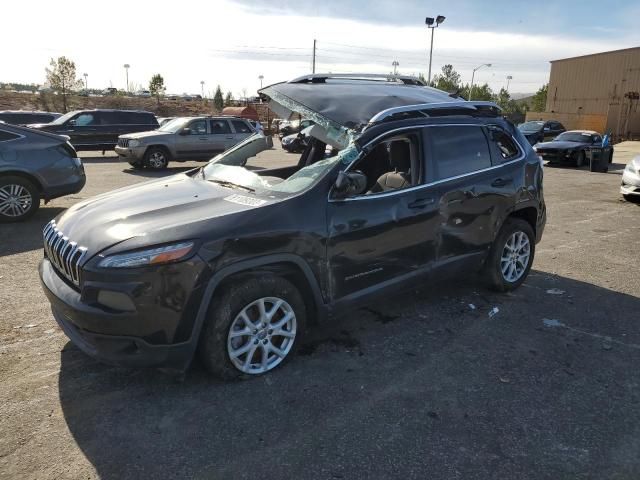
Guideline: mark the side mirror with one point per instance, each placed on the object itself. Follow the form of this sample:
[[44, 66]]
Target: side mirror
[[349, 183], [71, 123], [185, 131]]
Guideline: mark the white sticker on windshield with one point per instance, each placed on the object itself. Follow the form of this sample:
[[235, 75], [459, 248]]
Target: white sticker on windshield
[[242, 200]]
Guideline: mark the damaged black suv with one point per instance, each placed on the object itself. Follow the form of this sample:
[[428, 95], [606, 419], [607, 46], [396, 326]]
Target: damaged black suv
[[399, 183]]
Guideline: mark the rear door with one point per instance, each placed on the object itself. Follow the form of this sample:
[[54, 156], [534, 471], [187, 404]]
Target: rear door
[[475, 191], [241, 130], [221, 136]]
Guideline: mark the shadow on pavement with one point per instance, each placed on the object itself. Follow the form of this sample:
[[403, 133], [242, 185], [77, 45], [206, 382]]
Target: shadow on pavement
[[156, 173], [424, 385], [27, 235]]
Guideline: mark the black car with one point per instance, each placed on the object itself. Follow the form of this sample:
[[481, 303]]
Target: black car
[[99, 129], [572, 147], [236, 262], [539, 131], [294, 126], [297, 142], [26, 117]]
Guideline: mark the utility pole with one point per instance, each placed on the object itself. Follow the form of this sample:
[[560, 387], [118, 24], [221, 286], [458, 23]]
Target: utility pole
[[260, 77], [473, 76], [395, 67], [509, 78], [429, 21], [202, 87], [313, 65], [126, 68], [86, 83]]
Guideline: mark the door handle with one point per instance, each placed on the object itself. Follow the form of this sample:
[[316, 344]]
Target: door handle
[[229, 138], [501, 182], [421, 203]]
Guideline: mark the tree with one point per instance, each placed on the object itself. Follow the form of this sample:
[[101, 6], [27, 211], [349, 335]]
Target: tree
[[218, 100], [480, 92], [448, 80], [156, 86], [61, 76], [539, 100], [228, 99]]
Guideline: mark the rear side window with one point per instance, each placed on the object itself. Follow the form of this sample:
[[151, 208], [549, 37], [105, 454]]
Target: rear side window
[[459, 150], [6, 136], [240, 126], [220, 127], [506, 147]]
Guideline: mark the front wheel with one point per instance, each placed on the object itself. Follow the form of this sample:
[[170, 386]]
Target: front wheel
[[253, 327], [19, 199], [511, 256], [156, 158]]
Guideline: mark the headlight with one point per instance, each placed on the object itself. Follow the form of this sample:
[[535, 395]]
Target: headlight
[[134, 143], [151, 256], [286, 141]]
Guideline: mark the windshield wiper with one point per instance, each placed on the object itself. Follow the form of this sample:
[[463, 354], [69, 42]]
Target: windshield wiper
[[226, 183]]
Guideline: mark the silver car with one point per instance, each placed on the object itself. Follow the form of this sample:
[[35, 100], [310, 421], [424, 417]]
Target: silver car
[[183, 138], [35, 165], [631, 179]]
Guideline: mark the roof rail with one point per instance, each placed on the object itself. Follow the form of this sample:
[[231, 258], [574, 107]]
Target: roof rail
[[322, 77], [470, 107]]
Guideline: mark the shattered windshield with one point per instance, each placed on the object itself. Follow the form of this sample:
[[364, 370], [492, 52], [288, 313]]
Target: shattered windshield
[[230, 169]]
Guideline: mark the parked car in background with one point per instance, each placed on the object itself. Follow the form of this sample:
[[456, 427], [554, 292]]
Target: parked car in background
[[99, 129], [539, 131], [33, 166], [183, 138], [573, 147], [630, 187], [26, 117], [294, 126], [233, 263], [143, 93], [297, 142], [110, 91]]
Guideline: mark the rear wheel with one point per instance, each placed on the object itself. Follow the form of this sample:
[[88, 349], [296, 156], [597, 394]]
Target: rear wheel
[[511, 255], [19, 199], [253, 327], [156, 158]]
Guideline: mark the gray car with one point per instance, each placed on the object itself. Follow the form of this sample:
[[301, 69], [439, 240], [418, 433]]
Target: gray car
[[183, 138], [35, 165]]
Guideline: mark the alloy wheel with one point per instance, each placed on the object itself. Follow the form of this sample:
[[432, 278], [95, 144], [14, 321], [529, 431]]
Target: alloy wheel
[[157, 160], [261, 335], [15, 200], [515, 256]]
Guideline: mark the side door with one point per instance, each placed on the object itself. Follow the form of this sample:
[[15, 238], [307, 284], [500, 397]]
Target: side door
[[194, 142], [241, 130], [221, 136], [476, 189], [381, 237], [83, 130]]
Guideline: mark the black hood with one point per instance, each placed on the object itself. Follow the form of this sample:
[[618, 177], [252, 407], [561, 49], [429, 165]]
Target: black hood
[[169, 209], [560, 145]]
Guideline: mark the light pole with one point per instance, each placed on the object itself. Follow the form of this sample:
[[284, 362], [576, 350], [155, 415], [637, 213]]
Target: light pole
[[126, 69], [86, 83], [395, 67], [473, 75], [429, 21], [261, 77], [202, 87], [509, 78]]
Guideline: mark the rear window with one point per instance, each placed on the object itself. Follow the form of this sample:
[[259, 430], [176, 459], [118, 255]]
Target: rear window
[[6, 136], [128, 118], [459, 150], [506, 146], [240, 126], [220, 127]]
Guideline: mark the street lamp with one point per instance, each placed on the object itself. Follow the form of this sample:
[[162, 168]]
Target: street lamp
[[202, 87], [261, 77], [86, 84], [429, 21], [474, 74], [509, 78], [395, 66], [126, 68]]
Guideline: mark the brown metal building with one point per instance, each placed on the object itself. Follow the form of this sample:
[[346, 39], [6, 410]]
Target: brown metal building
[[596, 92]]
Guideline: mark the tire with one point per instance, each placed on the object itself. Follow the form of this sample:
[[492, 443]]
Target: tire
[[137, 165], [19, 199], [494, 267], [156, 158], [218, 343], [580, 160]]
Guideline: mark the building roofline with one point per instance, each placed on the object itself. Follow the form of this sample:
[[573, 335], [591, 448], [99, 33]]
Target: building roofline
[[595, 54]]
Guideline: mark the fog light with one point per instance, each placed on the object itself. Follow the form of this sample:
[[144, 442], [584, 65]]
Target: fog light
[[116, 301]]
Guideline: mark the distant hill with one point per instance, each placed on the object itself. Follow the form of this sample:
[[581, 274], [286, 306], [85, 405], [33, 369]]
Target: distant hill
[[520, 95]]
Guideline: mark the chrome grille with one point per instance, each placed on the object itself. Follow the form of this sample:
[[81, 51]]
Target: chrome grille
[[123, 142], [64, 254]]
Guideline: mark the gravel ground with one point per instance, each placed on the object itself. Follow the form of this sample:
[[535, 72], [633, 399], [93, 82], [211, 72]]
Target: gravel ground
[[426, 384]]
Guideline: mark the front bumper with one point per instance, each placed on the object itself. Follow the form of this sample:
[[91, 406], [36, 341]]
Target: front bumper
[[119, 337], [630, 183], [127, 154]]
